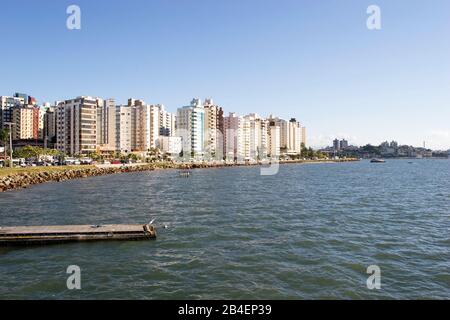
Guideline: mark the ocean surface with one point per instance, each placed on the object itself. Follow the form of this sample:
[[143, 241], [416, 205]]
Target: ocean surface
[[309, 232]]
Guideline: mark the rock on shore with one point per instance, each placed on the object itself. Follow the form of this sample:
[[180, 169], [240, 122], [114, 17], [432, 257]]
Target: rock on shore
[[23, 180]]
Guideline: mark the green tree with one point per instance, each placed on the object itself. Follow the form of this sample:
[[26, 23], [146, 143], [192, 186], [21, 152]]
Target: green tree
[[28, 152], [36, 152]]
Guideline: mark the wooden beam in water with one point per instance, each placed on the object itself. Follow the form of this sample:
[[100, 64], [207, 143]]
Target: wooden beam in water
[[56, 234]]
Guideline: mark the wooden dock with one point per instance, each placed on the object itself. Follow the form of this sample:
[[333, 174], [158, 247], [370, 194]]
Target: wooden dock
[[57, 234]]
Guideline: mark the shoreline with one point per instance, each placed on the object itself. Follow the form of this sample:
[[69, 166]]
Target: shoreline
[[22, 178]]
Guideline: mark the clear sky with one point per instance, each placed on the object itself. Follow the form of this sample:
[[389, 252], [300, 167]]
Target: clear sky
[[309, 59]]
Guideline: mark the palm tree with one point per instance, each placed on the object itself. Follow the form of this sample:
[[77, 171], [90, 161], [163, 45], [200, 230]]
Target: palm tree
[[4, 135]]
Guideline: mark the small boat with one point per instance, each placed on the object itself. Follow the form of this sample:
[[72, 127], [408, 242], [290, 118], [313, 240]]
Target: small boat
[[378, 161], [185, 174]]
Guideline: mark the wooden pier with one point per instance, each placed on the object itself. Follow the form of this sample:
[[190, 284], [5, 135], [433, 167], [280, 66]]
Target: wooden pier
[[56, 234]]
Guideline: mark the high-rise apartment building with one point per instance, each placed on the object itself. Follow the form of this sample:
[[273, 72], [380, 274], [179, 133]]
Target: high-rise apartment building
[[294, 137], [252, 138], [275, 140], [167, 121], [147, 125], [230, 135], [283, 124], [304, 136], [76, 125], [105, 122], [25, 121], [190, 127], [336, 145], [125, 129], [7, 104], [137, 126], [214, 128], [49, 132]]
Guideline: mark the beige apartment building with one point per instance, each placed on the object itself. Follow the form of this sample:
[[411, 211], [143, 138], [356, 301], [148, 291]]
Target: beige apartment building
[[138, 126], [214, 128], [274, 140], [25, 121], [283, 124], [76, 125]]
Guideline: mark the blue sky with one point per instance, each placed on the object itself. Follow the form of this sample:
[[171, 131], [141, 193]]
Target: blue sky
[[312, 60]]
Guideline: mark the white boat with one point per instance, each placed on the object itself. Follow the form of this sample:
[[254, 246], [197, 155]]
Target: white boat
[[377, 161]]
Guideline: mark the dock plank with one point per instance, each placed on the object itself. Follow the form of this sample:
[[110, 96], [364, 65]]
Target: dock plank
[[71, 229], [24, 235]]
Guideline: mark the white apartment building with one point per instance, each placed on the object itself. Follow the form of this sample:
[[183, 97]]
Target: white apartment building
[[252, 138], [6, 108], [170, 145], [190, 126], [230, 135], [76, 125], [303, 138], [294, 137], [125, 129], [167, 121]]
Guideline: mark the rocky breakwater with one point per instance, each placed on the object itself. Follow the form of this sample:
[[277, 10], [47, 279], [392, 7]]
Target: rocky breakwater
[[21, 180]]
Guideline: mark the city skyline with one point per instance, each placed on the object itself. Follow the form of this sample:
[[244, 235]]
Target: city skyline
[[346, 81], [208, 101]]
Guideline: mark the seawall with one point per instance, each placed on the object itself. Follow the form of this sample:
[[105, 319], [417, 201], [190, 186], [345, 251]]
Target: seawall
[[25, 178]]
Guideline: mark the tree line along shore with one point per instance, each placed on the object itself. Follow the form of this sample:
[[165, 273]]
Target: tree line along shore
[[19, 178]]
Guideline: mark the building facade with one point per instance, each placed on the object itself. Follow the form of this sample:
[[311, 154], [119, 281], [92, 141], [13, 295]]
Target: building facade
[[26, 123], [170, 145], [7, 105], [167, 122], [231, 129], [190, 124], [76, 125], [213, 128], [49, 120], [294, 137]]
